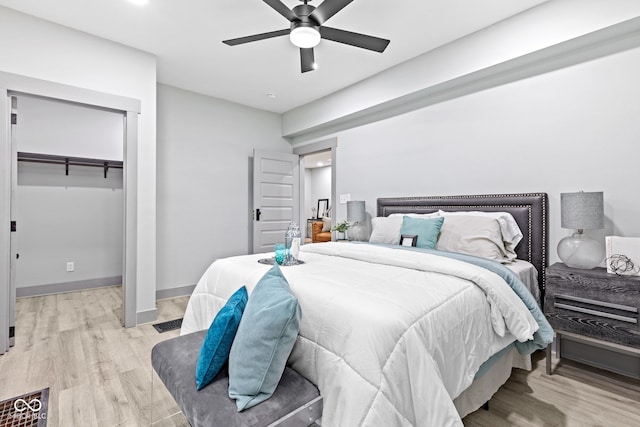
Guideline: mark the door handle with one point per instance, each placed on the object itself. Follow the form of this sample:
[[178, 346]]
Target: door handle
[[258, 214]]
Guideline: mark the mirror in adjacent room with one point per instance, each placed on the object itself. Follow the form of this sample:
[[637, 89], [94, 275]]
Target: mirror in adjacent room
[[323, 207]]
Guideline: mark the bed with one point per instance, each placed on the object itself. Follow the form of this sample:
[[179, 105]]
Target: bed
[[399, 336]]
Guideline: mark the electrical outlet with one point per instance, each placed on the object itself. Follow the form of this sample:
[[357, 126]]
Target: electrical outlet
[[344, 198], [71, 266]]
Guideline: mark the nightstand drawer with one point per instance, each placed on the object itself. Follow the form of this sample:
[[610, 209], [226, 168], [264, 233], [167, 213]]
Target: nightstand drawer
[[623, 313], [594, 321]]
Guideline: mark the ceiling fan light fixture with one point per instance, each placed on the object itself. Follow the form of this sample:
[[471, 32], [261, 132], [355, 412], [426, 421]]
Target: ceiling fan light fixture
[[304, 36]]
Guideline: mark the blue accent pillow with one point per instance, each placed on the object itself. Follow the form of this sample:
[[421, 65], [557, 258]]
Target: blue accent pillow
[[264, 341], [217, 344], [427, 230]]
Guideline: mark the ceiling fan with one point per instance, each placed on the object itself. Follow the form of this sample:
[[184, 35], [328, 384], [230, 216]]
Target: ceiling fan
[[307, 29]]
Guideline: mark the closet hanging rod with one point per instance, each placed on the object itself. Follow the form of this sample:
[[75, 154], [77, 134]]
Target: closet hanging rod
[[69, 161]]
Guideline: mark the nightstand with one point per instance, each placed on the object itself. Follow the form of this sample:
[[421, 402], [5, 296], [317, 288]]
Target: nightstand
[[595, 317]]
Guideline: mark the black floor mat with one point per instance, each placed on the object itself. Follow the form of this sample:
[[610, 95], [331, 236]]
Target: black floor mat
[[168, 326]]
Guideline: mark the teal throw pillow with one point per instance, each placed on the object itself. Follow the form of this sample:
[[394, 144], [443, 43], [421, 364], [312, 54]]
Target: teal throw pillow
[[217, 344], [427, 230], [264, 341]]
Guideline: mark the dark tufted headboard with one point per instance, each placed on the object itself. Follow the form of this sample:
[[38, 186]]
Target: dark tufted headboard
[[529, 210]]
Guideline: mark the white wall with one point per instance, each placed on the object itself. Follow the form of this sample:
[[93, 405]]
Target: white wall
[[308, 200], [76, 218], [51, 127], [205, 147], [569, 130], [36, 48]]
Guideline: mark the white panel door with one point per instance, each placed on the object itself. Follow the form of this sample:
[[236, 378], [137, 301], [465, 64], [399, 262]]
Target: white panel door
[[276, 195]]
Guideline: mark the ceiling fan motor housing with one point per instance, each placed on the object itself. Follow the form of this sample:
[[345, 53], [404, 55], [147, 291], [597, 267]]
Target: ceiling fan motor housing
[[303, 11]]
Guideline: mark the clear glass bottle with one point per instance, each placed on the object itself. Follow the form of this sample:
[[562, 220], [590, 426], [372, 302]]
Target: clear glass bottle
[[296, 235], [292, 241]]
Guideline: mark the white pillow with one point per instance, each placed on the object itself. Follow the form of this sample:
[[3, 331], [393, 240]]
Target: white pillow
[[474, 235], [386, 229], [511, 233], [326, 224]]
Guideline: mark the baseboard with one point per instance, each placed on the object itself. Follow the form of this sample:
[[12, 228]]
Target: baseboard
[[58, 288], [175, 292], [146, 316]]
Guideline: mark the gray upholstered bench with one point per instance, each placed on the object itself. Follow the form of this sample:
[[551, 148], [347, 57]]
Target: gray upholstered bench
[[296, 401]]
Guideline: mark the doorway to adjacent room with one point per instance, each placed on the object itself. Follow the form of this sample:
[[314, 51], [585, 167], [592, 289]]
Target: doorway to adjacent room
[[318, 178]]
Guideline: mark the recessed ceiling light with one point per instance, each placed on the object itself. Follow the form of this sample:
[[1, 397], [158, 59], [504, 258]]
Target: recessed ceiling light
[[271, 95], [139, 2]]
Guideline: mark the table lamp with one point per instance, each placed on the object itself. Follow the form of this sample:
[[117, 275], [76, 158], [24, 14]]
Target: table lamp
[[357, 217], [581, 211]]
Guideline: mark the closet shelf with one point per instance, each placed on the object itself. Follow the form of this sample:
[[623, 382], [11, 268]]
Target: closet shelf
[[69, 161]]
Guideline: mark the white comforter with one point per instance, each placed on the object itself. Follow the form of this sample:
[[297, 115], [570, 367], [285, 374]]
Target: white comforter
[[390, 337]]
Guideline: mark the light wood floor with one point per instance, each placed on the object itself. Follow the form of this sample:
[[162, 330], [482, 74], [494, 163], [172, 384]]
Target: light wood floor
[[100, 374]]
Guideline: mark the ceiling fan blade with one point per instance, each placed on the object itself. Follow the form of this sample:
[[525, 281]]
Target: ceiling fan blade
[[307, 61], [327, 9], [354, 39], [282, 9], [256, 37]]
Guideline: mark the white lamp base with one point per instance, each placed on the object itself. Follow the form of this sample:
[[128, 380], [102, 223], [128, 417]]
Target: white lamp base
[[580, 251]]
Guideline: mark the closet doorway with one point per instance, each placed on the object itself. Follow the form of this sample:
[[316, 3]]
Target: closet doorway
[[68, 196], [318, 171], [17, 85]]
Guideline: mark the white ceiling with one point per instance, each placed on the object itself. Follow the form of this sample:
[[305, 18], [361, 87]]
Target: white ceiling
[[186, 37], [317, 160]]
